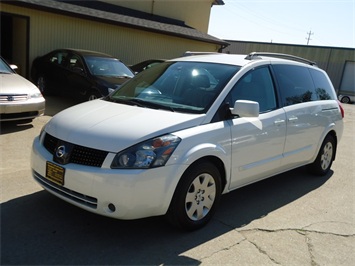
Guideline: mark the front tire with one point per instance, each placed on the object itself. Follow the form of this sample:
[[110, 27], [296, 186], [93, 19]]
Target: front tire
[[325, 157], [196, 197], [42, 85], [92, 95], [345, 99]]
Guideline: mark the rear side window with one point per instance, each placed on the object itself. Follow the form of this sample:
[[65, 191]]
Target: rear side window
[[295, 83], [58, 58], [324, 89]]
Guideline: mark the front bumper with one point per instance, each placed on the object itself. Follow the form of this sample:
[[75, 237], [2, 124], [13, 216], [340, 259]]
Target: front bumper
[[121, 194], [22, 110]]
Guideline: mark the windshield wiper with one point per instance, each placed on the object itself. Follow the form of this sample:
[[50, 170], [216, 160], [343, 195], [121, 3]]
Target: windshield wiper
[[149, 104], [124, 101], [139, 102]]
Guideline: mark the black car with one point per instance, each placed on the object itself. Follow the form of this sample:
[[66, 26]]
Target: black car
[[80, 74]]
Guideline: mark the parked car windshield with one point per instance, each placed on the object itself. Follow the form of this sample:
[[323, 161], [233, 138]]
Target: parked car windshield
[[108, 67], [4, 68], [176, 86]]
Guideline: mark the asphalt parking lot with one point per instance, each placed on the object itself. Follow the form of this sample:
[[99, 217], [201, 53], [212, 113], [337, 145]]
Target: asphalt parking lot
[[290, 219]]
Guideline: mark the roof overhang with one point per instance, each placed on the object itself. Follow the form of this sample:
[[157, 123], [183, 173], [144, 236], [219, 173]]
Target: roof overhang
[[118, 19]]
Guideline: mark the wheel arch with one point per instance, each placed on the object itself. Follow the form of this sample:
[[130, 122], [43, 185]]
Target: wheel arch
[[216, 161], [178, 215], [334, 135]]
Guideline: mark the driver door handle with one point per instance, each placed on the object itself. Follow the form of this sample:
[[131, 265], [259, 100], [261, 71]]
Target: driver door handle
[[279, 122]]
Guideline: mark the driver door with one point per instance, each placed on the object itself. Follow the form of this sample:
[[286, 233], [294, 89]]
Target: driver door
[[257, 142]]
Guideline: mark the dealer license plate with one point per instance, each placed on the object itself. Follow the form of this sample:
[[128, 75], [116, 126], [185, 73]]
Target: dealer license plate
[[55, 173]]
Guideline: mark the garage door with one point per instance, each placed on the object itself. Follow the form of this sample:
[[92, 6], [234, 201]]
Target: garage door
[[348, 80]]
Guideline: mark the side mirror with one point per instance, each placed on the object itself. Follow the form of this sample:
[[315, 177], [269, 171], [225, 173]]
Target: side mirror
[[14, 67], [244, 108]]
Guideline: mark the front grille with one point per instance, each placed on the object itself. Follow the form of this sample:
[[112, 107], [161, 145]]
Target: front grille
[[85, 200], [79, 154], [13, 97]]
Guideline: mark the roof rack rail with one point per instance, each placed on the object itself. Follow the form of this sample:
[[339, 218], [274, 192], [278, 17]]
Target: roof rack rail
[[255, 55]]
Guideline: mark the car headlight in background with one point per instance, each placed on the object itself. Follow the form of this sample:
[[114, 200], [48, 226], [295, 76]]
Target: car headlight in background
[[36, 95], [148, 154]]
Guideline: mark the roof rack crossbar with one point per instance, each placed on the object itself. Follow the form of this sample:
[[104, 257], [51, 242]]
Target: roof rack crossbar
[[254, 55]]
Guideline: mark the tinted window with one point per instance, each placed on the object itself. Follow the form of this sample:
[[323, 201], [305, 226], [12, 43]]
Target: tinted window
[[324, 89], [256, 85], [295, 83]]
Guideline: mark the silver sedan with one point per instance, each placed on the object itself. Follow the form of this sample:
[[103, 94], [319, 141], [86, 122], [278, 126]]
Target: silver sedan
[[19, 98]]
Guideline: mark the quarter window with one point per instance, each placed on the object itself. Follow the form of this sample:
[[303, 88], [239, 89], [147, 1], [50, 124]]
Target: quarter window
[[324, 90], [295, 83], [256, 85]]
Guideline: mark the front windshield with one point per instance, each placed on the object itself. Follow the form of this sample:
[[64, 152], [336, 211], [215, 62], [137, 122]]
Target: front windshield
[[176, 86], [4, 68], [107, 67]]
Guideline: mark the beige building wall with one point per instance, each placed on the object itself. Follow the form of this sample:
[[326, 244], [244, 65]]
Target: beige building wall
[[195, 13], [49, 31]]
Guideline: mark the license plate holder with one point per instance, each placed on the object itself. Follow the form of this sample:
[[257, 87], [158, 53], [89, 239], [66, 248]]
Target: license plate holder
[[55, 173]]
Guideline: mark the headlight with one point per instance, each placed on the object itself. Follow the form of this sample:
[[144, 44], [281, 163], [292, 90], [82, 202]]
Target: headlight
[[35, 95], [148, 154]]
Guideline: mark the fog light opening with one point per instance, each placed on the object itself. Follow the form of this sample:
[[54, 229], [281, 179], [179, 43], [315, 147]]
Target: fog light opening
[[112, 207]]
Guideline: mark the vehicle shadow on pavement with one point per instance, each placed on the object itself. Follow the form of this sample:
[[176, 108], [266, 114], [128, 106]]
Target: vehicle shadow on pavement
[[252, 202], [53, 106], [56, 104], [7, 127], [42, 229]]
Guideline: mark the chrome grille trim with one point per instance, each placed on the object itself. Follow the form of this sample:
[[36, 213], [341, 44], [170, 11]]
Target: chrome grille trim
[[13, 97], [82, 199]]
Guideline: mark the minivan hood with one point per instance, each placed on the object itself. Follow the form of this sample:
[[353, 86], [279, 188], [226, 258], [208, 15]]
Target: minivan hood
[[113, 127]]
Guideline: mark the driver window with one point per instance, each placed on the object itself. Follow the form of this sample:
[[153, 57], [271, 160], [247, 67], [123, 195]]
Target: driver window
[[256, 85]]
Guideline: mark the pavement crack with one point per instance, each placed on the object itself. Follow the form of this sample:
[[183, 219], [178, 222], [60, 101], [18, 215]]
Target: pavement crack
[[263, 252], [299, 230], [310, 247]]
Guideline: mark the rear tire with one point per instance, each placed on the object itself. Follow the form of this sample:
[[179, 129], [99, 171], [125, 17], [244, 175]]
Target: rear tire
[[196, 197], [325, 157]]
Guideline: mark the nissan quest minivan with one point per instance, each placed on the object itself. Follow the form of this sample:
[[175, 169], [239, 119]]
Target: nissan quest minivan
[[177, 136]]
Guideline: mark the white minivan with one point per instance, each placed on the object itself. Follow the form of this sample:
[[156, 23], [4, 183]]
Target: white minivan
[[177, 136]]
